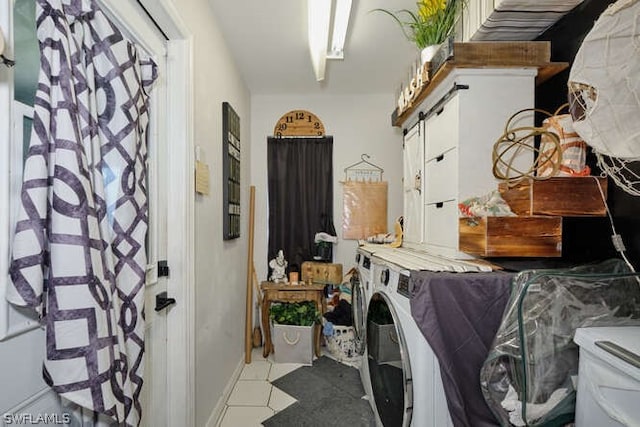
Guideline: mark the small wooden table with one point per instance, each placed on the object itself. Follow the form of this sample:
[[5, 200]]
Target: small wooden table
[[280, 292]]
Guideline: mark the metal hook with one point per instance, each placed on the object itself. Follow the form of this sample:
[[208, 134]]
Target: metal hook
[[6, 61], [365, 155]]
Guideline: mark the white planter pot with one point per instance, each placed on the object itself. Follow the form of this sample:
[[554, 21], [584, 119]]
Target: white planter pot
[[428, 52]]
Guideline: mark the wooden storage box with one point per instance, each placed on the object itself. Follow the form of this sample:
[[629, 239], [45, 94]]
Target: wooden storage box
[[517, 236], [321, 273], [562, 196]]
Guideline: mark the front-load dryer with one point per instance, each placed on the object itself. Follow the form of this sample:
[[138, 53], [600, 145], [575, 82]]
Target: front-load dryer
[[404, 374]]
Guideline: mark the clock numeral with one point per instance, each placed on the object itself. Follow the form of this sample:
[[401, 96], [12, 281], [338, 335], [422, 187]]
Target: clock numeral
[[289, 119], [299, 116], [316, 125], [278, 134], [309, 118], [319, 133], [283, 126]]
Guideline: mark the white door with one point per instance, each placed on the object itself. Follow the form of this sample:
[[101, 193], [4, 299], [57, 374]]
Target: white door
[[413, 184], [13, 322], [141, 31], [154, 391]]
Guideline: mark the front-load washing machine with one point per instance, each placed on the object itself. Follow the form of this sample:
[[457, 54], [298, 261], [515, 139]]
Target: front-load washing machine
[[361, 291], [404, 374]]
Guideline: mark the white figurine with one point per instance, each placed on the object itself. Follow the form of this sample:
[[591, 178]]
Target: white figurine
[[278, 266]]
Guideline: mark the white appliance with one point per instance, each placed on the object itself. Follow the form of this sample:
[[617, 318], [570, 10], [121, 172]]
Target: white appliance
[[419, 399], [361, 292], [419, 365], [365, 268], [608, 376]]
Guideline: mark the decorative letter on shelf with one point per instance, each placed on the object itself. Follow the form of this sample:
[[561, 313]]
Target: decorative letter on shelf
[[230, 171]]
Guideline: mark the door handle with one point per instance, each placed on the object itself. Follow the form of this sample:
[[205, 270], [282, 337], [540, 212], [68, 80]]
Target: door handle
[[162, 301]]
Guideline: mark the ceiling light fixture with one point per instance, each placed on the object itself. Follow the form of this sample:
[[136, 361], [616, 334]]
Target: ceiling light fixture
[[319, 22], [340, 24]]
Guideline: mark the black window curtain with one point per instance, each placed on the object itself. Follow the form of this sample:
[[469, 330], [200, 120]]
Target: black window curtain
[[300, 195]]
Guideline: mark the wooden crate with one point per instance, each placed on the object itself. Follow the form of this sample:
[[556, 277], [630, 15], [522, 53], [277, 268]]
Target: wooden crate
[[486, 53], [561, 196], [321, 273], [518, 236]]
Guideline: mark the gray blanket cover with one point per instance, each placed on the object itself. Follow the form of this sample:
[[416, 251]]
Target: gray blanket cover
[[459, 314]]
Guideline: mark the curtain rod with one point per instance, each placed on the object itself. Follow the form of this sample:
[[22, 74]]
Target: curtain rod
[[144, 9]]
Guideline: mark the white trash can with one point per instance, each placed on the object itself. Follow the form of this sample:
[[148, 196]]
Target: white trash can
[[608, 393]]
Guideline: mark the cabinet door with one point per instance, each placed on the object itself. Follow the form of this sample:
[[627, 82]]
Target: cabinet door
[[413, 154]]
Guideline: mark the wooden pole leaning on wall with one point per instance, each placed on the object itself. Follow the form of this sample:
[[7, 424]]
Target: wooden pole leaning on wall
[[248, 330]]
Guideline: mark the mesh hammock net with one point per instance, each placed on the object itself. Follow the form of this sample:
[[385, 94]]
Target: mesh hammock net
[[604, 93]]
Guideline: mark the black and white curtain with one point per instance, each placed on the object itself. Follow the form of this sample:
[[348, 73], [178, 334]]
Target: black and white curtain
[[79, 253]]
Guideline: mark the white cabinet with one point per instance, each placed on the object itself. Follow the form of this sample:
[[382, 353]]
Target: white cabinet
[[463, 117]]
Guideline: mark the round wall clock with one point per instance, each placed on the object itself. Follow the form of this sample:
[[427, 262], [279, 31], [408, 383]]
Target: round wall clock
[[298, 123]]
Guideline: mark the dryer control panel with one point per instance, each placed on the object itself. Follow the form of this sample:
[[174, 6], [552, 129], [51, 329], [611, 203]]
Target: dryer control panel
[[366, 262], [403, 286]]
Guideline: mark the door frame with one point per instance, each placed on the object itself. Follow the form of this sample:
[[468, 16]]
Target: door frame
[[180, 196]]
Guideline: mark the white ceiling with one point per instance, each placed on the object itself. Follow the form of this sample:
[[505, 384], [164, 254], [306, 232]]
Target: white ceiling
[[268, 39]]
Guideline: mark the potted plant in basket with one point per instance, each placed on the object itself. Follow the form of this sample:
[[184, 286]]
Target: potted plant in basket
[[293, 326], [430, 25]]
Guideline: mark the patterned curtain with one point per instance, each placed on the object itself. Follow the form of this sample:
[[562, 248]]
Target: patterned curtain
[[79, 251]]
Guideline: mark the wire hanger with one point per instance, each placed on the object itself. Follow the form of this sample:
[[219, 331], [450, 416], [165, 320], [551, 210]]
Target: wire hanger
[[370, 173]]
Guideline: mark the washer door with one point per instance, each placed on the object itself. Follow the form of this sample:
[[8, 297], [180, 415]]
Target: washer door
[[358, 311], [388, 360]]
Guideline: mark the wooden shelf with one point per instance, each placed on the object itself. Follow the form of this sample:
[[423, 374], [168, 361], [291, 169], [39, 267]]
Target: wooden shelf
[[488, 55]]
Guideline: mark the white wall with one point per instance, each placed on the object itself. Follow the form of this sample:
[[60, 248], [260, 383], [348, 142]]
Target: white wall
[[359, 124], [220, 266]]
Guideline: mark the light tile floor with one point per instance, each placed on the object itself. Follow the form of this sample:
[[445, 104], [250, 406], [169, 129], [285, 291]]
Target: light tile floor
[[253, 398]]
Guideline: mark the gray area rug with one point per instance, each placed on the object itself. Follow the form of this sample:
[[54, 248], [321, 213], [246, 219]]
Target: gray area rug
[[328, 393]]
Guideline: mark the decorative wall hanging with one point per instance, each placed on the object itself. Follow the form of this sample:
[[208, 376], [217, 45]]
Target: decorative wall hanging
[[298, 123], [230, 172], [364, 200], [365, 209]]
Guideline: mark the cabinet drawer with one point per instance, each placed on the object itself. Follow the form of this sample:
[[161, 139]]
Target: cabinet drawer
[[442, 130], [442, 224], [293, 296], [441, 177]]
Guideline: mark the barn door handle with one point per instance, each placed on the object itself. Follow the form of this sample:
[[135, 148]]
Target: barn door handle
[[162, 301]]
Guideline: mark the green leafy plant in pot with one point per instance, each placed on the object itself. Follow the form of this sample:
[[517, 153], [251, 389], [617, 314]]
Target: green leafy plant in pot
[[431, 24], [302, 313]]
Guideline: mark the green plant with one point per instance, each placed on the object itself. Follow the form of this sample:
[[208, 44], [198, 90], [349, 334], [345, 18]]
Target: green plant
[[294, 313], [431, 24]]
